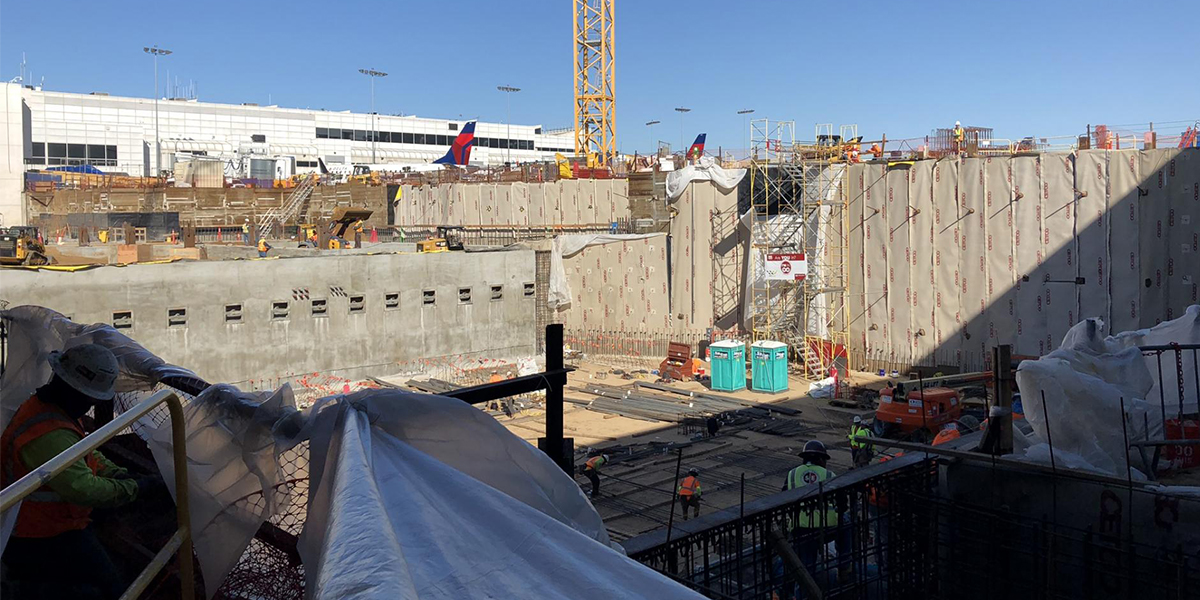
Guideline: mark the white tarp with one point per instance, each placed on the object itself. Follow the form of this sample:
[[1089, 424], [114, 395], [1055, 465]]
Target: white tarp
[[1084, 384], [566, 246], [705, 169]]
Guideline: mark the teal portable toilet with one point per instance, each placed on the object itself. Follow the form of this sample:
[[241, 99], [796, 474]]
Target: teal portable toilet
[[768, 364], [728, 363]]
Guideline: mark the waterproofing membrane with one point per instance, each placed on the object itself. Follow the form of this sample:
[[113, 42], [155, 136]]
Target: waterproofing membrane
[[924, 277], [875, 249], [974, 294], [1027, 248], [899, 262], [1091, 179], [1001, 299], [947, 261], [856, 301], [1125, 266], [1059, 263]]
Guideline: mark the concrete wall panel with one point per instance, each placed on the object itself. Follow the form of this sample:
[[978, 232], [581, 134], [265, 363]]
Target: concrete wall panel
[[1183, 226], [261, 346]]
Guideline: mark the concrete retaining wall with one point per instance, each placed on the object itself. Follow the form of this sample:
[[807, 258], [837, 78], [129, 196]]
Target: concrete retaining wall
[[277, 334], [562, 202]]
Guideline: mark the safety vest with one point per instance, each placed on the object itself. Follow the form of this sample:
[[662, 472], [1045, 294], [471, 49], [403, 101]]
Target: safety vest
[[43, 513], [959, 132], [810, 474], [595, 462], [262, 246], [689, 486], [857, 432], [245, 228]]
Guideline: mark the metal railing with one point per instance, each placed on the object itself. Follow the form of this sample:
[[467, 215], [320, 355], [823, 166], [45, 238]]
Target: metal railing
[[181, 541]]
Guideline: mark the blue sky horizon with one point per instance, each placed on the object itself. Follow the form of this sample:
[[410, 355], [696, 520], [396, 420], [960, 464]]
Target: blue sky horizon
[[900, 69]]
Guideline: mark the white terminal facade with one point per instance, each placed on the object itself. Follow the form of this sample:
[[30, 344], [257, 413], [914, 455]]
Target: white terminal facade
[[117, 135]]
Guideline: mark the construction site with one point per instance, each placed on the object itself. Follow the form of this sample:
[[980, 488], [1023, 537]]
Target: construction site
[[832, 365]]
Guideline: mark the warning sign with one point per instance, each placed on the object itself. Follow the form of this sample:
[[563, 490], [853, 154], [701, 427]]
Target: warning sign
[[786, 267]]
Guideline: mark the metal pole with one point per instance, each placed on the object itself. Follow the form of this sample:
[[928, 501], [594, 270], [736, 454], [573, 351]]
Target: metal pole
[[157, 143], [508, 89], [374, 126], [554, 396], [682, 110], [674, 489]]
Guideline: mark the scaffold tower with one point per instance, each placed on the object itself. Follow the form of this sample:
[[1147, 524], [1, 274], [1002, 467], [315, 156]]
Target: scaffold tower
[[775, 183], [824, 204]]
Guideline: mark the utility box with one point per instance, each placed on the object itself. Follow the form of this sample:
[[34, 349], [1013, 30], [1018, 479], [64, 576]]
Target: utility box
[[728, 362], [769, 367]]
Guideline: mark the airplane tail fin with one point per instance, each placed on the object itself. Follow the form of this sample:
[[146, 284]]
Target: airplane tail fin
[[460, 151], [697, 149]]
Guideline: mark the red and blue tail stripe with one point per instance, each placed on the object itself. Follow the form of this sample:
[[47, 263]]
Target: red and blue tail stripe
[[460, 151]]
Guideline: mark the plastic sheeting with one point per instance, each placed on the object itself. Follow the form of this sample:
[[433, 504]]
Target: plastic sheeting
[[33, 332], [947, 260], [566, 246], [705, 169], [1074, 395]]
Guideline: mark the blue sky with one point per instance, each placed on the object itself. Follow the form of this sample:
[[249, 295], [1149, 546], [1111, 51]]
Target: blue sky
[[900, 68]]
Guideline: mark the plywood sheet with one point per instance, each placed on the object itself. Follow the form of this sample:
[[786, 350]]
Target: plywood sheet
[[924, 280], [856, 302], [1091, 227], [875, 273], [1124, 282], [947, 260], [1183, 226], [1060, 261], [974, 292], [899, 264], [1027, 250]]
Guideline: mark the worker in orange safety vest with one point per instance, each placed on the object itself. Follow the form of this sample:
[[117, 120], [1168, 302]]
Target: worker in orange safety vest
[[591, 469], [689, 493], [52, 543]]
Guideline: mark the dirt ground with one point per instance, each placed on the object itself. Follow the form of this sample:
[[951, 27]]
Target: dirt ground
[[637, 485]]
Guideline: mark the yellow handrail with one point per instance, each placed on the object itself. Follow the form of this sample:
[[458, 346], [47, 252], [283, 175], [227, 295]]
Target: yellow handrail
[[181, 541]]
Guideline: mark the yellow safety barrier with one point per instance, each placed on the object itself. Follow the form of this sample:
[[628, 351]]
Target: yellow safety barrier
[[181, 541]]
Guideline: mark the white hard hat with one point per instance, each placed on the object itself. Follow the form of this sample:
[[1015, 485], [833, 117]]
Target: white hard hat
[[91, 369], [957, 123], [857, 419]]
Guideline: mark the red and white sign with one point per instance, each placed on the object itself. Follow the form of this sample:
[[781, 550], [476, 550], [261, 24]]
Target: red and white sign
[[786, 267]]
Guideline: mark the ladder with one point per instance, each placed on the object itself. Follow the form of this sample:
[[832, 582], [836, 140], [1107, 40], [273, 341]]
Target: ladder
[[1188, 139], [289, 208]]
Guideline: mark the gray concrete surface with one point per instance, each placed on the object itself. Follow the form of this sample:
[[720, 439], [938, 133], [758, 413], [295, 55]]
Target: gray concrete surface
[[261, 345]]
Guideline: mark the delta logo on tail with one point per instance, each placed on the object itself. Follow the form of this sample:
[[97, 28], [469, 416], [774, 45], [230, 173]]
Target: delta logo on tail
[[697, 149], [460, 151]]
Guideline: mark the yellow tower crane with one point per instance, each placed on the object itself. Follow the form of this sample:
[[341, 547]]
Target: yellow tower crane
[[595, 84]]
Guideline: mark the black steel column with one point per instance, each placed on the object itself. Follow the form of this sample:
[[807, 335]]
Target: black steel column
[[560, 450]]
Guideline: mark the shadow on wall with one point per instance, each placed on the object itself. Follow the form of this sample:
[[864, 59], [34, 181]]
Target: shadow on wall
[[959, 255]]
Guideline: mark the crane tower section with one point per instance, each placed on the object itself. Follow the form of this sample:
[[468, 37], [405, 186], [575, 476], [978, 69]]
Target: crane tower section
[[595, 112]]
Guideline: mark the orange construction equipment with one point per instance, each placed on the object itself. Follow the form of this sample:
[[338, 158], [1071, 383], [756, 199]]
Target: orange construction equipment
[[946, 435], [679, 364], [920, 413]]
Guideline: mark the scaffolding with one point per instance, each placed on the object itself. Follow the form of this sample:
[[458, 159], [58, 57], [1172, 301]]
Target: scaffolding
[[800, 206], [824, 204], [775, 184]]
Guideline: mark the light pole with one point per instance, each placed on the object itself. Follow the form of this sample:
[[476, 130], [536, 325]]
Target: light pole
[[508, 92], [745, 129], [681, 110], [374, 127], [155, 51], [653, 143]]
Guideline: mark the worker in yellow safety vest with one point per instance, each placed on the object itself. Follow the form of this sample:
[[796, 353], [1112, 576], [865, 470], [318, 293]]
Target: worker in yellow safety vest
[[246, 231], [591, 469], [817, 520], [689, 493], [263, 247], [860, 449], [960, 135]]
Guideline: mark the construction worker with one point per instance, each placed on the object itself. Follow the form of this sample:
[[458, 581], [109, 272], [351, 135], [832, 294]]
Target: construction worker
[[358, 233], [860, 449], [960, 135], [52, 543], [592, 470], [689, 493], [246, 231], [816, 516], [263, 247]]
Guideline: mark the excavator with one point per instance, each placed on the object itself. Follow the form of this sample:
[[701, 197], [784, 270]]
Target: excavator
[[20, 246]]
